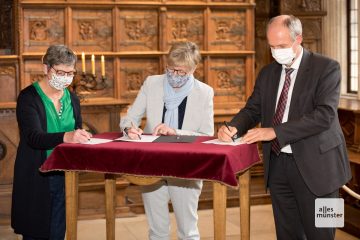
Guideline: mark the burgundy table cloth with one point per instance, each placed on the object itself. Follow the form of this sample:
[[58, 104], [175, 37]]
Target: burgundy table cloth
[[195, 160]]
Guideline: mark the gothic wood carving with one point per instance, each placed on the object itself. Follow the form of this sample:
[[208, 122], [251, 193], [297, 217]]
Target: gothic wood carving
[[227, 30], [8, 82], [134, 72], [43, 28], [92, 29], [185, 25], [138, 30]]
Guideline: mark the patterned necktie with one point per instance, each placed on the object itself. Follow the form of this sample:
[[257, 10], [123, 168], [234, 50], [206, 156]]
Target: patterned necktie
[[280, 109]]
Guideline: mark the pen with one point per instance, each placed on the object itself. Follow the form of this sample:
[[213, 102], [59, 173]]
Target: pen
[[227, 126], [133, 125]]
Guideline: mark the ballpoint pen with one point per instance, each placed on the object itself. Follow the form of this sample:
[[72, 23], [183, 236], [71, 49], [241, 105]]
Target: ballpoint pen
[[133, 125], [227, 126]]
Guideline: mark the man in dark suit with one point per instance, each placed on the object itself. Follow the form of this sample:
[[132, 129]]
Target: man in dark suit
[[295, 99]]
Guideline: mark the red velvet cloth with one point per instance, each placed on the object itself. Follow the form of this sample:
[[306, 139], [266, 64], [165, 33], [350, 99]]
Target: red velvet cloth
[[194, 160]]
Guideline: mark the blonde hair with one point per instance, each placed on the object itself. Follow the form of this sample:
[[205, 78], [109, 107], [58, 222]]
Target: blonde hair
[[185, 54]]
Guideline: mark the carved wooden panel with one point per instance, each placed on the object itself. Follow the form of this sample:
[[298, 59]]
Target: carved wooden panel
[[42, 27], [262, 53], [200, 71], [33, 71], [133, 72], [184, 25], [8, 81], [227, 30], [227, 76], [6, 29], [300, 6], [9, 138], [138, 30], [311, 29], [92, 30]]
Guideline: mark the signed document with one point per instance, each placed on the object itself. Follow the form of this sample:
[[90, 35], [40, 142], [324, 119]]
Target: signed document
[[217, 141], [144, 138]]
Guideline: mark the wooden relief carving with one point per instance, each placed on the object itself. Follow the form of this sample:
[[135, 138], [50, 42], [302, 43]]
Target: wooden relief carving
[[301, 5], [6, 32], [312, 37], [92, 29], [7, 83], [133, 73], [9, 139], [199, 72], [138, 30], [227, 30], [262, 53], [228, 79], [185, 25], [43, 28]]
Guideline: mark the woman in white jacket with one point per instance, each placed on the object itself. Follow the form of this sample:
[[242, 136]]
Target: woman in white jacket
[[174, 103]]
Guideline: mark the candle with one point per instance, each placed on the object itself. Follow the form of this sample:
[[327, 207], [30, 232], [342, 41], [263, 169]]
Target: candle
[[83, 62], [102, 66], [93, 64]]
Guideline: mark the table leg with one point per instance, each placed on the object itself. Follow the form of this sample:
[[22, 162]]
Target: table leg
[[110, 194], [71, 191], [219, 206], [244, 198]]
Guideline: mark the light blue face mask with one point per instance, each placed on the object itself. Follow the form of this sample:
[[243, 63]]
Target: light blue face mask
[[175, 80]]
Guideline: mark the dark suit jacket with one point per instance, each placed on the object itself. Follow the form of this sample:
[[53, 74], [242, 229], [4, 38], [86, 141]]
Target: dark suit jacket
[[312, 129], [30, 213]]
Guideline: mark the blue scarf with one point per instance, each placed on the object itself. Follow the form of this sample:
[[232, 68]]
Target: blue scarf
[[173, 99]]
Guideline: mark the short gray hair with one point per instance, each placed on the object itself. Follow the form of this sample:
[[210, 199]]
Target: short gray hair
[[184, 54], [59, 54], [291, 22]]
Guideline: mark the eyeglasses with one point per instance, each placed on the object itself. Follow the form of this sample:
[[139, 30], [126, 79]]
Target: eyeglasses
[[63, 73], [178, 72]]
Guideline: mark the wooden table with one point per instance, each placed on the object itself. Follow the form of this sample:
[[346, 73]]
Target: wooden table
[[224, 165]]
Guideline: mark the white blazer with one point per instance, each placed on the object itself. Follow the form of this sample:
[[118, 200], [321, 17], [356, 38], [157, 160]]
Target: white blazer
[[199, 112]]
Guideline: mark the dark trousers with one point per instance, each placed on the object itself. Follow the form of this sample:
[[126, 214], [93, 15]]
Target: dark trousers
[[57, 220], [57, 193], [293, 203]]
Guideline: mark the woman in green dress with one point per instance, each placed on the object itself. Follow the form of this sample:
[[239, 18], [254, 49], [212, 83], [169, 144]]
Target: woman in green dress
[[48, 114]]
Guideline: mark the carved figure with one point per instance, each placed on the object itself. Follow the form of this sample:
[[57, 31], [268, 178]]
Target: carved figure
[[38, 31]]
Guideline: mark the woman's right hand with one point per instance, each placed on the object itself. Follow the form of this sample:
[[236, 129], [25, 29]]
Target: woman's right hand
[[77, 136], [134, 133]]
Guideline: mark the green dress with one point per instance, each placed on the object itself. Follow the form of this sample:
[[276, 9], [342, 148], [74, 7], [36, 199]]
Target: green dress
[[62, 121]]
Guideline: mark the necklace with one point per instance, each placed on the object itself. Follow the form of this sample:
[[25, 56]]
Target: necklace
[[60, 110]]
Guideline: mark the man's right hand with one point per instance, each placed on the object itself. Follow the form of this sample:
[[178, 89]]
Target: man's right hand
[[225, 135]]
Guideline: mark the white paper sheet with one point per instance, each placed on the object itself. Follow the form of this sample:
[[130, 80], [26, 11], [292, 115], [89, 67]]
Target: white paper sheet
[[144, 138], [97, 141], [217, 141]]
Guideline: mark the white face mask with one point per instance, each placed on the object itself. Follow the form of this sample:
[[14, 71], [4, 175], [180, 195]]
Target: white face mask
[[283, 55], [60, 82]]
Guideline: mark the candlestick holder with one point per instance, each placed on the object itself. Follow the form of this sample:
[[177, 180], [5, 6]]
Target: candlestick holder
[[87, 83]]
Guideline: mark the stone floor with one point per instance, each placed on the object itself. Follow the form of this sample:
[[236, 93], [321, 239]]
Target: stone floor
[[135, 228]]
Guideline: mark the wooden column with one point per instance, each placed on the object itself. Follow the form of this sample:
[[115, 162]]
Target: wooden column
[[244, 198], [219, 211], [71, 189], [110, 194]]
